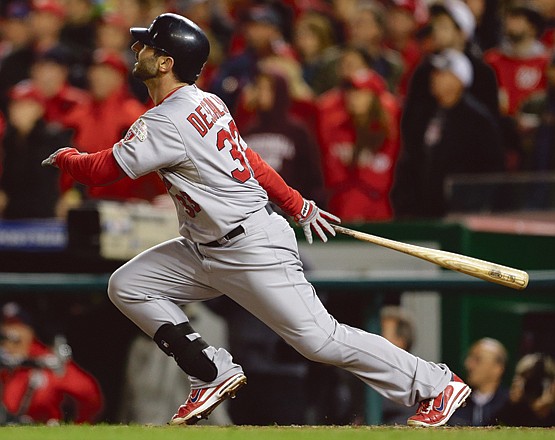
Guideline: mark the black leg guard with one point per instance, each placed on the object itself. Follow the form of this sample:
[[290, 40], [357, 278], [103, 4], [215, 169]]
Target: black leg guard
[[186, 346]]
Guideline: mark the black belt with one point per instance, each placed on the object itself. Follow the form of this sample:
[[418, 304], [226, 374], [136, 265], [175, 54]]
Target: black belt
[[237, 231]]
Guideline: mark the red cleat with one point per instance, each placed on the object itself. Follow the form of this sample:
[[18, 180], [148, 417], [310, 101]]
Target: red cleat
[[202, 401], [438, 411]]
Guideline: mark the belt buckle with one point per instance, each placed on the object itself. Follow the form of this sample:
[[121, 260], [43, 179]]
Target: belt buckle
[[232, 234]]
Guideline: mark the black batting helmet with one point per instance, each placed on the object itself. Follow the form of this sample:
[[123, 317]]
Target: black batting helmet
[[181, 39]]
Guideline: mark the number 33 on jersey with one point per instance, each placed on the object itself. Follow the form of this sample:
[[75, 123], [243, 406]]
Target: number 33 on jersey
[[191, 140]]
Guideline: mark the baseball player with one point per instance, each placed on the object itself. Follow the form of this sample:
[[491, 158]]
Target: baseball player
[[230, 244]]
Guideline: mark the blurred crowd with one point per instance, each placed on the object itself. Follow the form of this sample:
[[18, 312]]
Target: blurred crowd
[[365, 106]]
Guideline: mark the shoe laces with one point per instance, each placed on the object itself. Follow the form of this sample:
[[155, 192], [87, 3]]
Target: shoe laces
[[425, 406]]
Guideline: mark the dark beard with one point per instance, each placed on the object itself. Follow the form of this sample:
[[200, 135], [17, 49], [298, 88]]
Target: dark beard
[[142, 72]]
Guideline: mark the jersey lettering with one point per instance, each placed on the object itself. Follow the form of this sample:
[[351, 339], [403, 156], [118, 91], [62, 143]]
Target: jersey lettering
[[205, 116], [191, 207], [197, 123], [209, 123], [214, 108], [231, 136]]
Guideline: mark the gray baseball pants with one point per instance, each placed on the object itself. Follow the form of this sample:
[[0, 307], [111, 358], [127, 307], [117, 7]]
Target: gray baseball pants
[[262, 272]]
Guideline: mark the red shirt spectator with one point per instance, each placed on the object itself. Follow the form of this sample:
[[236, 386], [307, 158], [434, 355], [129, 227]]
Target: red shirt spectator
[[50, 75], [360, 142], [51, 389], [518, 78], [36, 381], [104, 119], [521, 62]]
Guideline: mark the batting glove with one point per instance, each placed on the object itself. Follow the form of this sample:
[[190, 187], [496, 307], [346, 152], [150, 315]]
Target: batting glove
[[312, 217], [51, 160]]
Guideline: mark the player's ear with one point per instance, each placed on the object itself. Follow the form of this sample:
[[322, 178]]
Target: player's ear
[[165, 64]]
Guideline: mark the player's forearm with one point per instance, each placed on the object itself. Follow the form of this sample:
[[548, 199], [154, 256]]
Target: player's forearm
[[287, 198], [95, 169]]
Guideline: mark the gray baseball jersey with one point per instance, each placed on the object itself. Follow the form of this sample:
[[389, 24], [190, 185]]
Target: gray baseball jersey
[[191, 140]]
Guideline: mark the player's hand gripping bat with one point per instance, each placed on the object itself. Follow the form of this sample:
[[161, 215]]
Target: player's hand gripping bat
[[485, 270]]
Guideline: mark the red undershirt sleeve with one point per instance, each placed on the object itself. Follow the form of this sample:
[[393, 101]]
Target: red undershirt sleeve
[[95, 169], [287, 198]]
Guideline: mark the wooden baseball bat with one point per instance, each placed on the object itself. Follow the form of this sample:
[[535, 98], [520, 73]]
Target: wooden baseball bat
[[485, 270]]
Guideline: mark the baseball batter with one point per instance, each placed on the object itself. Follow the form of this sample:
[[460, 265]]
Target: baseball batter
[[230, 244]]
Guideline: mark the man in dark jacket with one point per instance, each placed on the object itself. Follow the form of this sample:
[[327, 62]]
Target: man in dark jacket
[[282, 140], [485, 365], [460, 136], [452, 25], [31, 191]]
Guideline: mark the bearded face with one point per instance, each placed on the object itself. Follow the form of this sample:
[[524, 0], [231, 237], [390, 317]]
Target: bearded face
[[146, 66]]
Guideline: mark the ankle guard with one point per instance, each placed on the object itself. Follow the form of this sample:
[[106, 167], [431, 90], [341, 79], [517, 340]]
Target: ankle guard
[[186, 346]]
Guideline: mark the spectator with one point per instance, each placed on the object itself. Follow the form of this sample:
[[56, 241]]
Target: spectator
[[316, 43], [79, 34], [403, 19], [452, 28], [15, 31], [485, 364], [520, 64], [112, 35], [460, 136], [547, 9], [343, 11], [217, 30], [47, 22], [544, 152], [36, 379], [50, 74], [367, 30], [261, 29], [532, 394], [302, 103], [359, 142], [103, 119], [139, 12], [271, 53], [30, 191], [398, 328], [282, 141], [17, 47], [353, 61], [488, 24], [291, 69]]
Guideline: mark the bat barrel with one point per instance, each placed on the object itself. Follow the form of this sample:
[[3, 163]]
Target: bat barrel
[[485, 270]]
